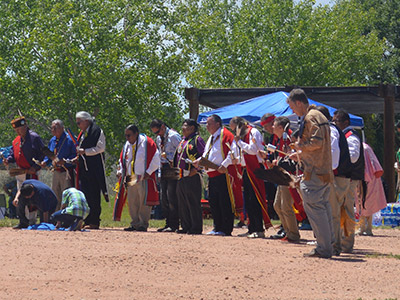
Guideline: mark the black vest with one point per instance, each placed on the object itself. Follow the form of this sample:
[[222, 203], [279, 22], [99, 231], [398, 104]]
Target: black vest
[[191, 150], [94, 163], [345, 166], [358, 169]]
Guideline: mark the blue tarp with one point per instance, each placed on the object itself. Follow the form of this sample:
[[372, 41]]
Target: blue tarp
[[253, 109]]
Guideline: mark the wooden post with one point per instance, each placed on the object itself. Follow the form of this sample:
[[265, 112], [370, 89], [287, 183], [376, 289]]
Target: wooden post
[[192, 95], [387, 91]]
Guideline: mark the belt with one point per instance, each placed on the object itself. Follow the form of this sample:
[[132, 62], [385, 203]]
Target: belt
[[61, 170]]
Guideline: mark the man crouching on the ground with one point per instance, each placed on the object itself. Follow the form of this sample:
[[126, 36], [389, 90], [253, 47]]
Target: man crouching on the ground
[[34, 195], [74, 208]]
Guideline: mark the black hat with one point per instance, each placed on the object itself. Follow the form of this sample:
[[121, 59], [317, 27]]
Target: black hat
[[18, 122]]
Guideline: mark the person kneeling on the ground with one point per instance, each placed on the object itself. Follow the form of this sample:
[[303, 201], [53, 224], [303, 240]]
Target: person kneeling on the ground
[[74, 208], [34, 195]]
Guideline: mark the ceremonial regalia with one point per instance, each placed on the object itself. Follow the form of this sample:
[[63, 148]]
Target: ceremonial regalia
[[255, 196], [189, 187], [146, 160], [90, 171], [24, 151]]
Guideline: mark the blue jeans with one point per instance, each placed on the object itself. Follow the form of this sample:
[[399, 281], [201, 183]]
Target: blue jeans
[[65, 219]]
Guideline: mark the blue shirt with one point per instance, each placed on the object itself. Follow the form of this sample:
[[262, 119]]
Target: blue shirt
[[64, 146], [44, 198]]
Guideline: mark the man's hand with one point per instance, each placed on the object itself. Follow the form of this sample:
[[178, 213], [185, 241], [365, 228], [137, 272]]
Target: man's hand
[[15, 202], [196, 163], [294, 156], [60, 163], [43, 164], [32, 171], [275, 162], [263, 154], [222, 169], [80, 151], [193, 172], [146, 176], [237, 138], [73, 160]]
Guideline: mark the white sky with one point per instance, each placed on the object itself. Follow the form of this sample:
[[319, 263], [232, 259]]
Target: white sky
[[322, 1]]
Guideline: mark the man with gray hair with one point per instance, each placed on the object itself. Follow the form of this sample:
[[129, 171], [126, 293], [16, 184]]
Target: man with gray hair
[[91, 146], [63, 148]]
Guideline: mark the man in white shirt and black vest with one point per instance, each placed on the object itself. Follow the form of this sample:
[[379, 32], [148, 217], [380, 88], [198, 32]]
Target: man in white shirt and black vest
[[356, 150], [91, 176]]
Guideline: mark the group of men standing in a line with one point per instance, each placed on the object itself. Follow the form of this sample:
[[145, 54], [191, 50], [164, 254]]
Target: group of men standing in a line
[[329, 154]]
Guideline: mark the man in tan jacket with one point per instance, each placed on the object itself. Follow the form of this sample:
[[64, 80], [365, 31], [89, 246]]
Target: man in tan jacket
[[314, 149]]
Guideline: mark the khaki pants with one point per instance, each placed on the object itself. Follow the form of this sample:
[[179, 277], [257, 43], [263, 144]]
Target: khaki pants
[[59, 184], [348, 218], [365, 224], [283, 206], [138, 210], [339, 189]]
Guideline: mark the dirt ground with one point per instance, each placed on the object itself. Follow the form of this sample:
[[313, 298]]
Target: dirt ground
[[113, 264]]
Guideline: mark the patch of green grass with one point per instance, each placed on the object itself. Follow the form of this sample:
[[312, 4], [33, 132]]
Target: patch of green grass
[[382, 255]]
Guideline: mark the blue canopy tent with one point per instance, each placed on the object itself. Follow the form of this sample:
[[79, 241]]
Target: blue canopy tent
[[253, 109]]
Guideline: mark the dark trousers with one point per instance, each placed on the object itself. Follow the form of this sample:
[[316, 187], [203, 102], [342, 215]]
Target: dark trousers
[[189, 198], [32, 205], [169, 202], [65, 219], [270, 190], [91, 188], [253, 207], [220, 204]]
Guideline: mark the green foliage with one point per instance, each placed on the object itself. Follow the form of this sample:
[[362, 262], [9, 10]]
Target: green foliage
[[254, 43], [385, 20], [114, 59]]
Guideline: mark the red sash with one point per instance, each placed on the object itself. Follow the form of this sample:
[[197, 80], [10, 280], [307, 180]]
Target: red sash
[[232, 179], [152, 192], [19, 154], [20, 158], [77, 165], [152, 197], [257, 184]]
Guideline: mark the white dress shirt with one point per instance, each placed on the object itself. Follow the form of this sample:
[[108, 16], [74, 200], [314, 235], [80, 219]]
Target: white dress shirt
[[215, 154], [100, 146], [254, 145], [335, 147], [354, 147], [140, 159]]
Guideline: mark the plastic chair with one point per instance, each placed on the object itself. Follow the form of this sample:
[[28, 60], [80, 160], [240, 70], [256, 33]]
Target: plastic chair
[[3, 206]]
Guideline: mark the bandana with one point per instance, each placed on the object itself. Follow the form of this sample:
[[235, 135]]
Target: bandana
[[267, 120]]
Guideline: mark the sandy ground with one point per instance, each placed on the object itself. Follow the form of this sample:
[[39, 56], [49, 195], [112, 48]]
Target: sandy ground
[[113, 264]]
